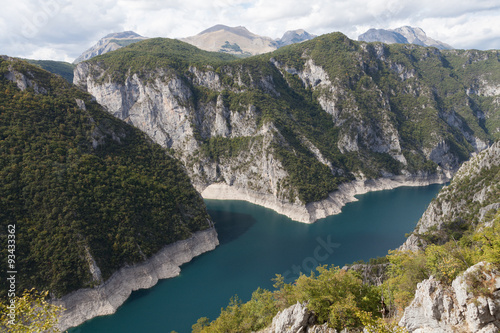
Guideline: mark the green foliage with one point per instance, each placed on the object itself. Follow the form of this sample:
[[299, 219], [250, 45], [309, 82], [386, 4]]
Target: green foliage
[[335, 296], [32, 314], [154, 53], [489, 242], [76, 182], [64, 69]]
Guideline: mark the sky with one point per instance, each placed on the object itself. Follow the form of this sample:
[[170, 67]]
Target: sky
[[63, 29]]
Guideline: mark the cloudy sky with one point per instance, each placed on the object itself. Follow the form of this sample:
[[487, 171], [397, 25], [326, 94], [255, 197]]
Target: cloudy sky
[[63, 29]]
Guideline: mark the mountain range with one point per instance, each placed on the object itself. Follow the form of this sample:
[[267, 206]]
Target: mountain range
[[219, 38], [402, 35]]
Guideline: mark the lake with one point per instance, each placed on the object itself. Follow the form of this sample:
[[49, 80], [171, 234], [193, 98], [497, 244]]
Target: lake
[[256, 244]]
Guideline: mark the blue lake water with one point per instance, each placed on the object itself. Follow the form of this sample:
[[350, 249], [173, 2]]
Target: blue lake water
[[256, 244]]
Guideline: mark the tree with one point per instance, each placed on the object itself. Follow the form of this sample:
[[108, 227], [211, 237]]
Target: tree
[[29, 313]]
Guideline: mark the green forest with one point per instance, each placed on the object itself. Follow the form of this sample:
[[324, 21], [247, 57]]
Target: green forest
[[76, 181]]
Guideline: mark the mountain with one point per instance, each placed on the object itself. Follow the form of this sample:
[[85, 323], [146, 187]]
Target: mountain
[[232, 40], [87, 194], [294, 36], [110, 42], [402, 35], [305, 128], [241, 42], [219, 38]]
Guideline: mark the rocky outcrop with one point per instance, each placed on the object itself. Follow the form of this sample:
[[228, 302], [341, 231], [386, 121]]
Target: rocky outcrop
[[442, 309], [110, 42], [296, 319], [470, 196], [402, 35], [105, 298]]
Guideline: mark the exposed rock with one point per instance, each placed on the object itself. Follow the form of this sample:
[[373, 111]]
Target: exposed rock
[[402, 35], [296, 319], [294, 36], [234, 40], [109, 43], [23, 81], [105, 298], [438, 308], [372, 274], [451, 204]]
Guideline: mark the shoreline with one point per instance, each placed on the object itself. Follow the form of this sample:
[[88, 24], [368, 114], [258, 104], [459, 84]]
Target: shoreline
[[314, 211], [85, 304]]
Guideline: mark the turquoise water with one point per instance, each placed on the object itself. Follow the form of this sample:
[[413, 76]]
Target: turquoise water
[[256, 244]]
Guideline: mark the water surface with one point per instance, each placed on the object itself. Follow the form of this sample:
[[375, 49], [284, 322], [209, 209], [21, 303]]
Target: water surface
[[256, 244]]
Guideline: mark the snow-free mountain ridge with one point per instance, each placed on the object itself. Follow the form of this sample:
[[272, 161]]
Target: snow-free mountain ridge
[[402, 35]]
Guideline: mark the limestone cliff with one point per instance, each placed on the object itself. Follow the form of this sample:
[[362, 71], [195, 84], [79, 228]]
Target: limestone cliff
[[287, 129], [457, 308]]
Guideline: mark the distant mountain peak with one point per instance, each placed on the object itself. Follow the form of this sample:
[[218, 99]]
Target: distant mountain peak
[[110, 42], [402, 35], [239, 30], [123, 34], [240, 41], [294, 36]]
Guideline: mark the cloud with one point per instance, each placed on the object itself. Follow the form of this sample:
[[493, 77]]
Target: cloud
[[63, 29]]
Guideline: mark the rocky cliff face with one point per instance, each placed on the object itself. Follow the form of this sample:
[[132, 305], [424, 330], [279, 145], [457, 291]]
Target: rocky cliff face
[[437, 308], [468, 201], [256, 125], [296, 319]]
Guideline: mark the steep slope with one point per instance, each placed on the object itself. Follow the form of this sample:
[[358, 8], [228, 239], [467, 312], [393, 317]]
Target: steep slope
[[402, 35], [288, 129], [464, 222], [468, 203], [87, 193], [232, 40], [110, 42]]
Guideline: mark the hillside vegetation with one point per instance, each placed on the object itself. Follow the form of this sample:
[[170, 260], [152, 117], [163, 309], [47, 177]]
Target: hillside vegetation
[[62, 68], [81, 186]]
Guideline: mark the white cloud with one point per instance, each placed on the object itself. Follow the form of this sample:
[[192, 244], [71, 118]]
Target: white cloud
[[63, 29]]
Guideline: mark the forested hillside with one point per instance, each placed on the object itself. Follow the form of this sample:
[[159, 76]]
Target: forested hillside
[[87, 193]]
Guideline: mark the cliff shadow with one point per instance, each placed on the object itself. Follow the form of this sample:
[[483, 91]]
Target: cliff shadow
[[230, 225]]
